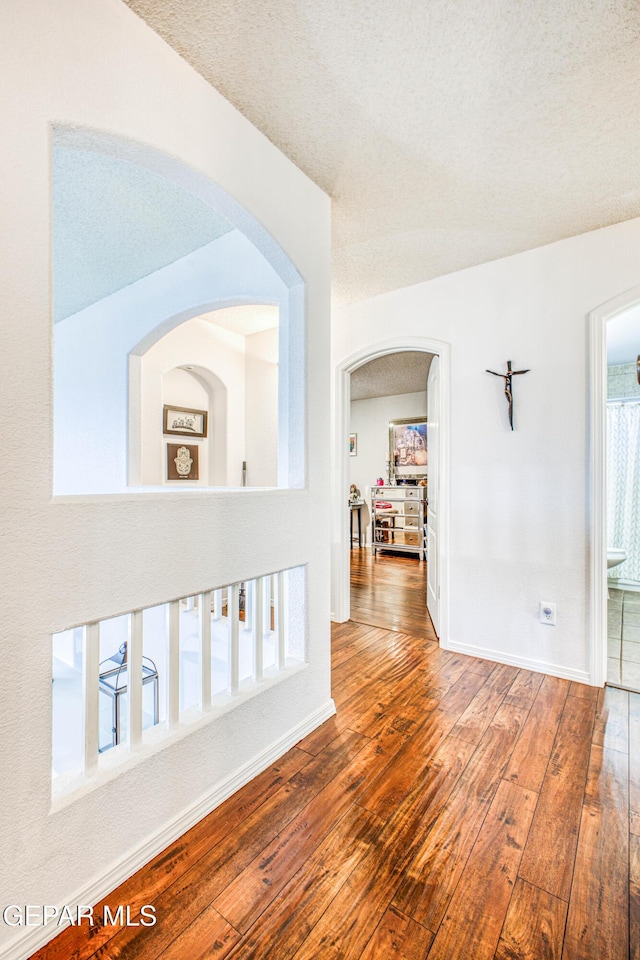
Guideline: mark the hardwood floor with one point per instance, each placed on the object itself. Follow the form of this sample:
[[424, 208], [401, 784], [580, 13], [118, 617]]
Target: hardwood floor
[[390, 591], [453, 808]]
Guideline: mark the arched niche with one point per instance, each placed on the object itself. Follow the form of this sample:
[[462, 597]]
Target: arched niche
[[194, 387]]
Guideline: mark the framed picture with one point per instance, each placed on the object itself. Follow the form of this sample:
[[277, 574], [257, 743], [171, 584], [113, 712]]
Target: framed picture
[[185, 421], [408, 446], [182, 461], [353, 444]]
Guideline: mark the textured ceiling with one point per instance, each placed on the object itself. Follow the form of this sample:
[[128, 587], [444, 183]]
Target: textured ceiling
[[393, 374], [114, 223], [447, 132]]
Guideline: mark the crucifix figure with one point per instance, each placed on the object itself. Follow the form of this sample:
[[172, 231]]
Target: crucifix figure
[[508, 386]]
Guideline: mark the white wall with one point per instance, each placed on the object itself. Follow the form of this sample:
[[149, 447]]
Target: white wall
[[261, 396], [181, 389], [517, 500], [70, 560], [370, 420]]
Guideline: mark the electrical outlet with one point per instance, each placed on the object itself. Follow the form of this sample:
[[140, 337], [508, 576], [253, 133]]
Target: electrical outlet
[[548, 613]]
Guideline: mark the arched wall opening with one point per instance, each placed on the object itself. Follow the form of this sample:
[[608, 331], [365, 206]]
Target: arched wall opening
[[340, 599], [102, 398], [221, 370]]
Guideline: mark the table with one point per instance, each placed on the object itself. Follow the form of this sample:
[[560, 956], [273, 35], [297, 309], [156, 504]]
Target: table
[[356, 505]]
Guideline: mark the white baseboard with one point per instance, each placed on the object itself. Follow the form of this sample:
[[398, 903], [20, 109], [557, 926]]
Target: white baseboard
[[537, 666], [33, 938]]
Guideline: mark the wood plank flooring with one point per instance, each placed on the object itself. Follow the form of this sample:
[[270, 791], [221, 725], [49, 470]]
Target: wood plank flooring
[[390, 591], [453, 808]]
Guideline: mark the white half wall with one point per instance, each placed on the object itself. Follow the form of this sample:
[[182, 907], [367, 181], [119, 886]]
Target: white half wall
[[518, 500], [70, 560], [370, 421]]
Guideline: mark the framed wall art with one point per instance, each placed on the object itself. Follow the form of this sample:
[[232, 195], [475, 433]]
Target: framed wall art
[[353, 444], [182, 461], [184, 421], [408, 446]]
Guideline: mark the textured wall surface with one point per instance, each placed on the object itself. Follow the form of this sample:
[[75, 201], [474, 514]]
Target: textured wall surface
[[517, 499], [115, 222], [68, 561]]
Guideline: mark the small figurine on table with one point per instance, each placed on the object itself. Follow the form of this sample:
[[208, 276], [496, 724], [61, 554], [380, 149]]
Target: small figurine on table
[[354, 494]]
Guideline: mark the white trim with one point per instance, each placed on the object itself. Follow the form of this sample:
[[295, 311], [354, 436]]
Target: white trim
[[537, 666], [36, 937], [342, 399], [597, 532]]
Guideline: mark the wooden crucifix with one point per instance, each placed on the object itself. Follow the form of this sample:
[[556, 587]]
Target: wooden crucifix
[[508, 386]]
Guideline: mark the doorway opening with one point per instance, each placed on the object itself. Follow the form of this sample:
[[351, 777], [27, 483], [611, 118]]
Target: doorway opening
[[615, 485], [392, 476], [623, 502], [388, 463]]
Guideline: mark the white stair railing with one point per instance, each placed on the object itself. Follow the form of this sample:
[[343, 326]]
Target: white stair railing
[[205, 638]]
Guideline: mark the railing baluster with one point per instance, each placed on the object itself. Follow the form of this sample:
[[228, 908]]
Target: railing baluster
[[266, 623], [280, 619], [205, 650], [233, 615], [258, 630], [248, 604], [91, 695], [217, 604], [173, 665], [134, 679]]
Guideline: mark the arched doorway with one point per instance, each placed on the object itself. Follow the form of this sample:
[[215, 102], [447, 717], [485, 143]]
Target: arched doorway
[[341, 473]]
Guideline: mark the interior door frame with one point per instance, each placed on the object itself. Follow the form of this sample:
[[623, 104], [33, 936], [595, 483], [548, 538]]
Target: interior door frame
[[597, 322], [340, 584]]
